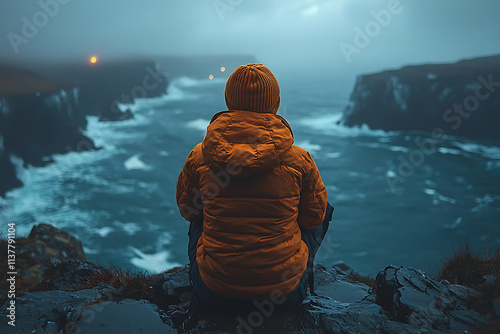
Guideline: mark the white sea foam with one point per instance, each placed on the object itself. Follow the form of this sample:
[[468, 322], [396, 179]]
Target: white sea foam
[[308, 146], [135, 163], [129, 228], [437, 197], [491, 152], [484, 202], [393, 148], [327, 125], [44, 196], [333, 155], [453, 225], [175, 92], [190, 82], [155, 263], [322, 122], [198, 124], [104, 231], [447, 150]]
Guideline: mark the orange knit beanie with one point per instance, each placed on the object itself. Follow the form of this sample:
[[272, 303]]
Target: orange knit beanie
[[252, 87]]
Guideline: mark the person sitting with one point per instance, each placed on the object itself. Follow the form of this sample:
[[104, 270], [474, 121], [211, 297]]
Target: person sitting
[[256, 203]]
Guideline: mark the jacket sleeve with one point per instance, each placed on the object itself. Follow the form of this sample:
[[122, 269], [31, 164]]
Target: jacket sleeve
[[188, 195], [313, 197]]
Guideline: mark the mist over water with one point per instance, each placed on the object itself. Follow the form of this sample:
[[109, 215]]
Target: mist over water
[[299, 35]]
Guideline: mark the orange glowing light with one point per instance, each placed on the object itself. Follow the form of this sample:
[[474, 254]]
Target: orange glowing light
[[210, 76], [223, 69], [93, 59]]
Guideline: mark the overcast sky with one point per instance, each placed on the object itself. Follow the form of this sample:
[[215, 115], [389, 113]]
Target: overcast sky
[[294, 33]]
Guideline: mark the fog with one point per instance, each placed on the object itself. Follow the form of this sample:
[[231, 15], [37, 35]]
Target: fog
[[315, 35]]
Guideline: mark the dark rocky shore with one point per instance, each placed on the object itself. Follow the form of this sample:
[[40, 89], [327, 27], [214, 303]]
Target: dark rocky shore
[[461, 99], [57, 291], [41, 116]]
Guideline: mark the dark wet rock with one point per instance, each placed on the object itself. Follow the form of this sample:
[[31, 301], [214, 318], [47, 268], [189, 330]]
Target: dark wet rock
[[174, 287], [496, 305], [342, 306], [44, 244], [126, 316], [461, 99], [334, 283], [404, 300], [341, 265], [409, 296], [35, 126], [61, 244], [115, 114], [48, 311], [45, 115]]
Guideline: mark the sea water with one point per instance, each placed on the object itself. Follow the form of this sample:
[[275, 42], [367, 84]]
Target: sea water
[[120, 200]]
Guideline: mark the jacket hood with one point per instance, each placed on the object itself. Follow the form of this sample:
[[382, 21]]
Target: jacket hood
[[245, 143]]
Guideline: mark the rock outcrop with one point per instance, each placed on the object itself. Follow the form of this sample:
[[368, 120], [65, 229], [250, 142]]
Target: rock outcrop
[[76, 296], [461, 99], [41, 116]]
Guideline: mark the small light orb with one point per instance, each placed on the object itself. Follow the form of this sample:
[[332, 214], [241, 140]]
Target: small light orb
[[223, 69], [93, 59], [210, 76]]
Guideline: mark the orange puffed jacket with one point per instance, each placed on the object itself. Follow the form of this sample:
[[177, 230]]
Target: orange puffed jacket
[[253, 188]]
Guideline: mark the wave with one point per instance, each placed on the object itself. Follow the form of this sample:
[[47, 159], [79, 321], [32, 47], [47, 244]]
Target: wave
[[44, 196], [490, 152], [185, 81], [175, 92], [155, 263], [308, 146], [327, 124], [135, 163], [200, 124]]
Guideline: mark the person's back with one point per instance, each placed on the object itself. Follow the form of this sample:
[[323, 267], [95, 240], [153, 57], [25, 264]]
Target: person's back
[[250, 195]]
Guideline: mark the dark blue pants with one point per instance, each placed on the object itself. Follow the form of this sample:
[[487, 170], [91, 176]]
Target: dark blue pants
[[311, 237]]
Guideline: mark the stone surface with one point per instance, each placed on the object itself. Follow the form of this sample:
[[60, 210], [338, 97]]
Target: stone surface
[[47, 311], [409, 296], [403, 300], [126, 316], [496, 305], [45, 243], [40, 117], [60, 244]]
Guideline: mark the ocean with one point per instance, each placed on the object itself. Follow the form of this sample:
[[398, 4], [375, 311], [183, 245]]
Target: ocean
[[120, 201]]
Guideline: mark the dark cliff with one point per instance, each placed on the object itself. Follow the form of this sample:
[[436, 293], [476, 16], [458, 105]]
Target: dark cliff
[[42, 115], [105, 84], [462, 99]]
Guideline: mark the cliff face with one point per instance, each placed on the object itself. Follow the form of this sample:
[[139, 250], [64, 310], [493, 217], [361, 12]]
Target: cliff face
[[462, 99], [35, 126], [38, 125], [41, 116]]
